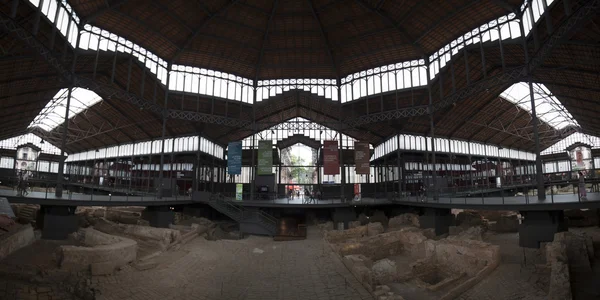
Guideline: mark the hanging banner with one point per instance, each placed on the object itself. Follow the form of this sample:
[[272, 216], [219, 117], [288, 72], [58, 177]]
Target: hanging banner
[[239, 191], [265, 158], [362, 157], [234, 158], [331, 164]]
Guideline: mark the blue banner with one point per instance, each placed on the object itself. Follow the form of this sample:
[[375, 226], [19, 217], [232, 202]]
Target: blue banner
[[234, 158]]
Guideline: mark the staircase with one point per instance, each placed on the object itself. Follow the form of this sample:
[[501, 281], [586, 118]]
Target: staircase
[[251, 221]]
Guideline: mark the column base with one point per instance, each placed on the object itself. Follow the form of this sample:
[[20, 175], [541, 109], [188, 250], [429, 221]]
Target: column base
[[57, 222], [540, 226], [159, 216], [438, 218], [343, 215]]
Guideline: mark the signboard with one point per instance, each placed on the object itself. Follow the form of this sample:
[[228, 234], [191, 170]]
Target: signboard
[[234, 158], [239, 191], [581, 158], [331, 163], [265, 158], [361, 158], [357, 195]]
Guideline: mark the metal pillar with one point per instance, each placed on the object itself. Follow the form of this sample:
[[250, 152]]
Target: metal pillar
[[132, 166], [343, 171], [385, 168], [432, 126], [534, 122], [61, 164], [400, 171], [252, 164], [164, 129]]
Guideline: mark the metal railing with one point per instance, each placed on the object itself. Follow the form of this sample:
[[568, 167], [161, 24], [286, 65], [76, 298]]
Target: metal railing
[[43, 188]]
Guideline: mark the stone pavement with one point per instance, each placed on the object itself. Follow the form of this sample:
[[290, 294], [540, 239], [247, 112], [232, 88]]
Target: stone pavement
[[253, 268]]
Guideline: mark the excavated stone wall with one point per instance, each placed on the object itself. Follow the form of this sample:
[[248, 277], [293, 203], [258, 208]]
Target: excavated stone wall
[[16, 240], [459, 257], [462, 255], [337, 236], [384, 245], [557, 259], [462, 260], [404, 220], [163, 237], [102, 253]]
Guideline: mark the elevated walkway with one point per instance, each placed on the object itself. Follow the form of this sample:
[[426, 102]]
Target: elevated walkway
[[521, 203]]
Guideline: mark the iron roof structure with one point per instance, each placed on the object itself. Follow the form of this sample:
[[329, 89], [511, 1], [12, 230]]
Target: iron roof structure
[[263, 45]]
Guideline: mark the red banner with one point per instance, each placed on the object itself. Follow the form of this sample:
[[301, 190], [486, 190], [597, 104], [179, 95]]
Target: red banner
[[331, 161], [362, 155]]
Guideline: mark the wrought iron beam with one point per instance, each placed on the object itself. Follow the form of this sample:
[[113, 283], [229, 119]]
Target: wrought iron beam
[[199, 28], [393, 23], [262, 46], [326, 40], [91, 18]]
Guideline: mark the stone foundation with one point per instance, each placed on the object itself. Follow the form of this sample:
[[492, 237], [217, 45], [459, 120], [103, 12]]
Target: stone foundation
[[384, 245], [102, 255], [13, 241], [461, 258], [557, 259], [404, 220], [163, 237], [337, 236]]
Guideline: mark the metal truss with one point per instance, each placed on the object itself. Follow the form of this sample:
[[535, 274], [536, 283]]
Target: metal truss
[[588, 8], [301, 125], [9, 25], [584, 10], [207, 118], [77, 134]]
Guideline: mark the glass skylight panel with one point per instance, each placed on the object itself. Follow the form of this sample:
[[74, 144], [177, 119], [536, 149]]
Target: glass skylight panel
[[14, 142], [53, 113], [577, 137], [548, 108]]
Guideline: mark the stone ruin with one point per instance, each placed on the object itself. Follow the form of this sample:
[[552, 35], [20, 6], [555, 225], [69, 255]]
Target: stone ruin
[[446, 266], [101, 253], [567, 253]]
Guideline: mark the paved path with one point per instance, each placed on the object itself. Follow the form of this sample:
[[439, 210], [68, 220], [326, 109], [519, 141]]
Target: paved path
[[231, 270]]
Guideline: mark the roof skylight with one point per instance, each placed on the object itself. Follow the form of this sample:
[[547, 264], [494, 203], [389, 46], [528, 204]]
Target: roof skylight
[[14, 142], [548, 108], [577, 137], [53, 113]]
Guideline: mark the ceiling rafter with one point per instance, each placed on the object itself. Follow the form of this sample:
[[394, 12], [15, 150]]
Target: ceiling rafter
[[95, 15], [326, 40], [263, 43], [195, 33], [396, 25]]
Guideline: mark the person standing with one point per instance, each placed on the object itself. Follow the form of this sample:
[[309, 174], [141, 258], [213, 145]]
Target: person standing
[[582, 191]]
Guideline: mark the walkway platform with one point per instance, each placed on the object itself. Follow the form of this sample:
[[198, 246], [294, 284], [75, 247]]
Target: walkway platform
[[520, 203]]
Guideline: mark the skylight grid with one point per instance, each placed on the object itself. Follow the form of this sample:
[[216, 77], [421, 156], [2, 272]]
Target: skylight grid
[[53, 113], [577, 137], [14, 142], [369, 82], [548, 108]]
